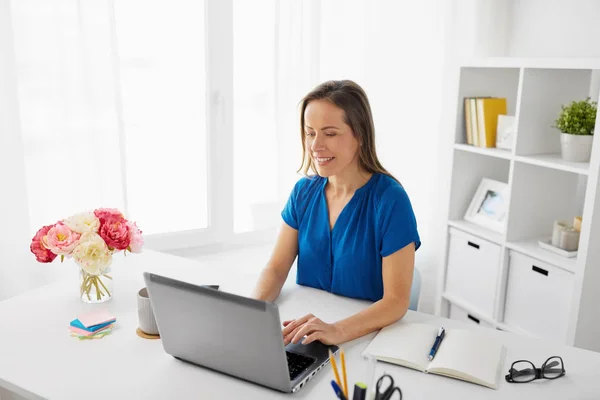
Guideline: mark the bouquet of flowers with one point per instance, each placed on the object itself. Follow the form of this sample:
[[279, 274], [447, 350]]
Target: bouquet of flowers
[[90, 238]]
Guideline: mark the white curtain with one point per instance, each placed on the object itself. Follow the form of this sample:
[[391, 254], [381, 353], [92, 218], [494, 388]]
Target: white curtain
[[297, 72], [68, 116]]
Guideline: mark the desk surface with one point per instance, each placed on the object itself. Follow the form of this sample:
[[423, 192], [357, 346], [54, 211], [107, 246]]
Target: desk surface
[[39, 359]]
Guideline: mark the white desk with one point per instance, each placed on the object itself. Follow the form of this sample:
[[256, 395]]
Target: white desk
[[39, 359]]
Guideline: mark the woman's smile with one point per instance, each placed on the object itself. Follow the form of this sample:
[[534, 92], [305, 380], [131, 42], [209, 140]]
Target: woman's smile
[[323, 161]]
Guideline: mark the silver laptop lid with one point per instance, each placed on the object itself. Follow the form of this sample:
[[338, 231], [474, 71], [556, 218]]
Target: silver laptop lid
[[211, 328]]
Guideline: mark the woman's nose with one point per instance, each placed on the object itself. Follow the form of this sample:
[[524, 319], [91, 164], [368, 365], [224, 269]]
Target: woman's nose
[[318, 143]]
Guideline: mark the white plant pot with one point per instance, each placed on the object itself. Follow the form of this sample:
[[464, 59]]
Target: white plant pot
[[576, 148]]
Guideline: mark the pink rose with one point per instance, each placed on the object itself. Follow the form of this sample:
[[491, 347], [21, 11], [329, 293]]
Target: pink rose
[[115, 232], [136, 239], [60, 239], [104, 214], [42, 254]]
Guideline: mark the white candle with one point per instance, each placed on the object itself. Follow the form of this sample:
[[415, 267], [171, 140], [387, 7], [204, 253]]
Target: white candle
[[559, 226], [569, 239]]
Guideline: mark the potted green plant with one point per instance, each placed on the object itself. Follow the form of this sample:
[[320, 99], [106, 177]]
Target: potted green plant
[[576, 123]]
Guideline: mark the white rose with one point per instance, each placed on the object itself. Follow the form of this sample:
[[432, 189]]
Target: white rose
[[83, 222], [92, 254]]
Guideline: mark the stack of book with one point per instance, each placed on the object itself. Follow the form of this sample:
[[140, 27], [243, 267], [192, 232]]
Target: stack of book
[[481, 119], [92, 325]]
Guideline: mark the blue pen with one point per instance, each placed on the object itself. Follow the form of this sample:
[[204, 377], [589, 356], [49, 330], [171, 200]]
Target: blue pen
[[338, 392], [436, 344]]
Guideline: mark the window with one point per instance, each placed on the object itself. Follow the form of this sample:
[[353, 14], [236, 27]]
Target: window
[[122, 108], [113, 110], [162, 77]]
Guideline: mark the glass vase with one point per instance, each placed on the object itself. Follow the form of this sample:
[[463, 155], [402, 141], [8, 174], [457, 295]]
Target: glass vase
[[95, 288]]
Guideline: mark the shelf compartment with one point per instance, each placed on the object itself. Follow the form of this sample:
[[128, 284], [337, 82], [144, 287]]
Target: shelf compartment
[[468, 308], [540, 196], [469, 168], [538, 297], [471, 258], [491, 152], [555, 161], [532, 249], [478, 82], [478, 231], [543, 93]]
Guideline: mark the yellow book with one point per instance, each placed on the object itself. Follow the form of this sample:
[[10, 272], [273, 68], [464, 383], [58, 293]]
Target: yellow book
[[473, 114], [488, 110], [468, 120]]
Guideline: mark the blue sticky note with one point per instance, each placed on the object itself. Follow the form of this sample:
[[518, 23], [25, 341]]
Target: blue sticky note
[[77, 324]]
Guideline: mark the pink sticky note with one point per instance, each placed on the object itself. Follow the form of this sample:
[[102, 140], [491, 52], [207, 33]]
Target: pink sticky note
[[81, 332], [95, 317]]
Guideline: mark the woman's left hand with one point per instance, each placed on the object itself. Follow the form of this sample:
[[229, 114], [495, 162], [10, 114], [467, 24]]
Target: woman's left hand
[[313, 328]]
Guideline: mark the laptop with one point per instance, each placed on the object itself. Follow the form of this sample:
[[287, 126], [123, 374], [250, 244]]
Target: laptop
[[232, 334]]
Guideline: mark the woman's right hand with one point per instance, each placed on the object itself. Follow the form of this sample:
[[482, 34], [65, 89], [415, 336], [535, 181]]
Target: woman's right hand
[[311, 328]]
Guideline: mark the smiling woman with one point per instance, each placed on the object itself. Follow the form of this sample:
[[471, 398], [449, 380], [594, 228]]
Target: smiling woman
[[351, 224], [339, 107]]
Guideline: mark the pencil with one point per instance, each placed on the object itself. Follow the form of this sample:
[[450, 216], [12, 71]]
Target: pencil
[[344, 373], [335, 371]]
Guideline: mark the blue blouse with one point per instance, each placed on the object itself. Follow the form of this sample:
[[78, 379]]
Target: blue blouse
[[377, 221]]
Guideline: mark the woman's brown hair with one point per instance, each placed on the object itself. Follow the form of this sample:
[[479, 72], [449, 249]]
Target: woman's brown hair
[[351, 98]]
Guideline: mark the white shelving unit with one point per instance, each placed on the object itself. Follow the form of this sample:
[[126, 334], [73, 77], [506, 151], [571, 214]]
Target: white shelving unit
[[506, 280]]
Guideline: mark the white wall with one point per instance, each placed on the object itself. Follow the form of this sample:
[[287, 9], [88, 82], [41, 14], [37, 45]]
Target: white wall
[[554, 28], [526, 28]]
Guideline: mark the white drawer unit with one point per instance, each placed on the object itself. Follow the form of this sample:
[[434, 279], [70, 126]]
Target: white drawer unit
[[472, 270], [459, 314], [538, 297]]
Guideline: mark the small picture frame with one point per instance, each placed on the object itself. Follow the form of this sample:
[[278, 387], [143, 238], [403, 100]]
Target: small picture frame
[[505, 132], [489, 205]]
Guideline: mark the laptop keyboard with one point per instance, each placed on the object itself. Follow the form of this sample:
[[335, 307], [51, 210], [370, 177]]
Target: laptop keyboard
[[297, 363]]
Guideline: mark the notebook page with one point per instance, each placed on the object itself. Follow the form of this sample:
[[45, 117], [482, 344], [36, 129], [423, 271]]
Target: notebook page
[[470, 356], [403, 343]]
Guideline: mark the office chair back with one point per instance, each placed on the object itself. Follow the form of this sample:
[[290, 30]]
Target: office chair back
[[415, 290]]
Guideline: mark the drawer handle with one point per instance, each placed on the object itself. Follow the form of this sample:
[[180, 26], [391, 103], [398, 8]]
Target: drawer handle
[[539, 270], [472, 318], [473, 245]]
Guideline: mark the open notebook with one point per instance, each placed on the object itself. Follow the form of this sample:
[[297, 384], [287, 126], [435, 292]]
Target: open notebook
[[463, 354]]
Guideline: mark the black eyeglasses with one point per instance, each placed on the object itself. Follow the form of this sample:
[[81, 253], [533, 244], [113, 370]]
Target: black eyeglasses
[[524, 371]]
